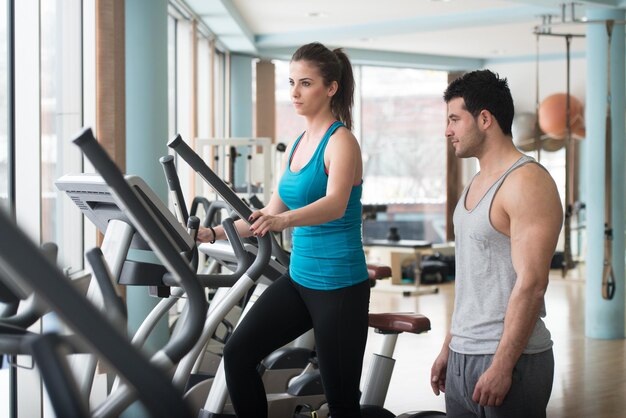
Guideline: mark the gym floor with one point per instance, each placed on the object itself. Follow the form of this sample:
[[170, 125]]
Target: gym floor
[[588, 381]]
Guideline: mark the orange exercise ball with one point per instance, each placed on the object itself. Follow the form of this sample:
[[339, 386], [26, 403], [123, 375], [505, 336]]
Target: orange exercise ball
[[552, 116]]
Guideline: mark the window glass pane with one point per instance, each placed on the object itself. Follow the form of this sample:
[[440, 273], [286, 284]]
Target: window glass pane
[[5, 392], [61, 117], [220, 94], [554, 162], [404, 152], [4, 144], [171, 76], [399, 118], [204, 88], [288, 123], [48, 122]]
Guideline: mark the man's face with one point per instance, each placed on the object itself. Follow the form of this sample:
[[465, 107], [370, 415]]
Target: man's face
[[462, 130]]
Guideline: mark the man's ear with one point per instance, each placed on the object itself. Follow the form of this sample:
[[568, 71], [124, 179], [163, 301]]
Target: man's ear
[[485, 119]]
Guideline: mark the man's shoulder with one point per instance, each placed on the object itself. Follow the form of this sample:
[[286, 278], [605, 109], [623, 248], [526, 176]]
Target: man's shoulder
[[530, 176], [530, 188]]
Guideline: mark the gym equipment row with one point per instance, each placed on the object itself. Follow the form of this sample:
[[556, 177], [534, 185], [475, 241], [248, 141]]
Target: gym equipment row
[[131, 216]]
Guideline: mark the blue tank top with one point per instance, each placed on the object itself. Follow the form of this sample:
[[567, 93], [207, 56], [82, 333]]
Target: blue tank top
[[327, 256]]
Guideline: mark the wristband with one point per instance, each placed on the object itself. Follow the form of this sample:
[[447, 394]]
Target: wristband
[[214, 235]]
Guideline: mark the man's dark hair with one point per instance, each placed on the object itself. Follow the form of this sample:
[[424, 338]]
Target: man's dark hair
[[482, 89]]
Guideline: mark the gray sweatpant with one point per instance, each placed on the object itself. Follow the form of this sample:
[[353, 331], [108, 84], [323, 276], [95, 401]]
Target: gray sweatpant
[[528, 397]]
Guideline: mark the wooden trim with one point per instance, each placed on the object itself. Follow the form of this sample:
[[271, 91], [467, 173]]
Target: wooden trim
[[227, 92], [265, 100], [111, 84], [212, 87], [110, 79], [212, 100]]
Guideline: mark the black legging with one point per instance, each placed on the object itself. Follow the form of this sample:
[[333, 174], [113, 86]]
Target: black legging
[[285, 311]]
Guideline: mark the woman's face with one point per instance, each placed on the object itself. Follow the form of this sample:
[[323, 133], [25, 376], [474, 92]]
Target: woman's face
[[309, 94]]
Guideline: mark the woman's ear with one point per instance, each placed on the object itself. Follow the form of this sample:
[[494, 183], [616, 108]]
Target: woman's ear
[[332, 88]]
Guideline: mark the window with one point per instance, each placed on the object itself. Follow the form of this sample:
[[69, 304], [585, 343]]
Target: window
[[171, 76], [5, 203], [399, 117], [554, 162], [4, 109], [49, 150], [288, 123], [61, 118], [204, 88], [403, 119], [219, 94]]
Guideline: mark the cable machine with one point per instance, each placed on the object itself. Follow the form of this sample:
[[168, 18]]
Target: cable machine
[[549, 28]]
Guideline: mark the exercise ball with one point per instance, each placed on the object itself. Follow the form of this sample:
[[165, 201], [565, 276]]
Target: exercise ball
[[552, 116], [523, 129], [551, 144]]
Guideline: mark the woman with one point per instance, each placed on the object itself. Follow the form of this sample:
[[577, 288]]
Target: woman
[[326, 288]]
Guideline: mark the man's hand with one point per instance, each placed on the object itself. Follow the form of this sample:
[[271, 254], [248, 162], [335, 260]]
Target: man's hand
[[492, 387], [438, 373], [261, 224]]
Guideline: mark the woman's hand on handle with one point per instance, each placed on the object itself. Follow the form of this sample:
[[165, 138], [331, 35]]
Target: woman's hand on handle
[[262, 223]]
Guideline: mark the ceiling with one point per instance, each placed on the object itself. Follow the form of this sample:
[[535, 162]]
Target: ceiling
[[446, 34]]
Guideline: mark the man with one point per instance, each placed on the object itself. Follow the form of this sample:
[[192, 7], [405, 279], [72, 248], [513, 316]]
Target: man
[[497, 359]]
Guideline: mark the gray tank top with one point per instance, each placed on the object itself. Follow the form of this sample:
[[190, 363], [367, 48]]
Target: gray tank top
[[485, 278]]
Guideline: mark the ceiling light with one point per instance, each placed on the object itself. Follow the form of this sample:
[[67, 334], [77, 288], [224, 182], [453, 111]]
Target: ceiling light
[[317, 14]]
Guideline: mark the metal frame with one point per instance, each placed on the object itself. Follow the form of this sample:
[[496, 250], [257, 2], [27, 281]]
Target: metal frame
[[217, 148]]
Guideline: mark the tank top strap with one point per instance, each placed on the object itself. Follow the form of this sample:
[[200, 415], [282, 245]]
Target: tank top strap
[[524, 159], [294, 147], [329, 132]]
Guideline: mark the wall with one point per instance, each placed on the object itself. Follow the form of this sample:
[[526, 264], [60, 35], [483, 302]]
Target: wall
[[552, 79]]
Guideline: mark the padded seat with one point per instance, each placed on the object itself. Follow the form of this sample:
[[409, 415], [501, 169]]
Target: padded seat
[[399, 322]]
